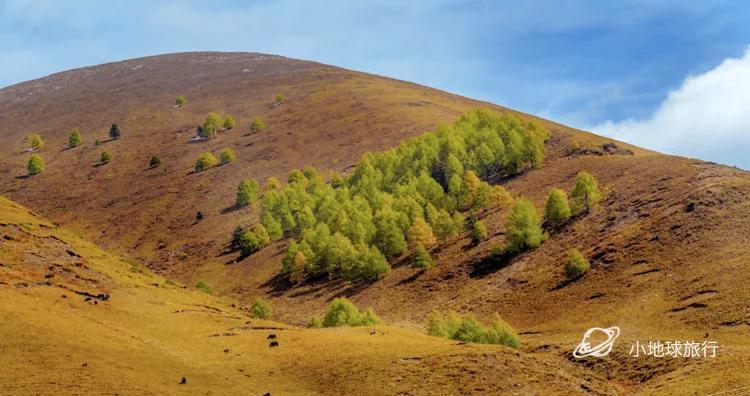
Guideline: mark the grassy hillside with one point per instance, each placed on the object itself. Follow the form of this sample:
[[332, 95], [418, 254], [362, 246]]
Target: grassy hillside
[[149, 333]]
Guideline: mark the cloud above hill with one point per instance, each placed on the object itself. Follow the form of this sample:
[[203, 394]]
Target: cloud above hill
[[707, 117]]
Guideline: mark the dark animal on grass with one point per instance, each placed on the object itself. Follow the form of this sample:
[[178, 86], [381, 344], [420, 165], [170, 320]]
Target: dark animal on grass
[[273, 344], [271, 337], [183, 381]]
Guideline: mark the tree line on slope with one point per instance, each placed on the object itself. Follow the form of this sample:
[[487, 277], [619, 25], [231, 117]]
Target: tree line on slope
[[402, 199]]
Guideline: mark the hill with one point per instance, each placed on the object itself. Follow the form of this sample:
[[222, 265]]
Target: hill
[[669, 259]]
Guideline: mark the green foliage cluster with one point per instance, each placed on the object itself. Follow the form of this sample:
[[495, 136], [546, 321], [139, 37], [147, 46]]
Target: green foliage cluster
[[204, 287], [341, 312], [75, 138], [35, 165], [257, 125], [205, 161], [586, 194], [180, 101], [401, 198], [467, 328], [422, 258], [279, 98], [557, 209], [154, 162], [576, 265], [250, 241], [214, 123], [524, 227], [247, 193], [227, 156], [261, 309], [35, 141], [106, 157]]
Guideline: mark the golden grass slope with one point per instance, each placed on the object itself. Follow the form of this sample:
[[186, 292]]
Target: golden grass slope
[[150, 333]]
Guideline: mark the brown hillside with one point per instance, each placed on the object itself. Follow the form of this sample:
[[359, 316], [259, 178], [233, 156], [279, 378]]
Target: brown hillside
[[669, 248]]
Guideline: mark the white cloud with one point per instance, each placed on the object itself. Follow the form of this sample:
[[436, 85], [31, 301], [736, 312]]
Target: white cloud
[[707, 117]]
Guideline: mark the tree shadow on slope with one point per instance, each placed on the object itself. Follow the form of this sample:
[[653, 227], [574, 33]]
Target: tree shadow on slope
[[490, 264]]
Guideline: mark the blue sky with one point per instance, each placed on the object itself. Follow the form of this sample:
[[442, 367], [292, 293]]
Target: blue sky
[[654, 73]]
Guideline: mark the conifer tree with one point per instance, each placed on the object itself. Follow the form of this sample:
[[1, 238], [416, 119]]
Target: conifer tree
[[114, 132], [422, 258]]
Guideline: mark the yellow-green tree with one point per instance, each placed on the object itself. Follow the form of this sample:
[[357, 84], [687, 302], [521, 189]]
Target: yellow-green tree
[[75, 138], [557, 210], [35, 165], [586, 194], [524, 227], [420, 233], [205, 161]]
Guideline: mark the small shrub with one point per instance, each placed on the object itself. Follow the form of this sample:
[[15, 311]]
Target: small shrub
[[257, 125], [279, 98], [106, 157], [261, 309], [247, 193], [577, 265], [557, 210], [35, 165], [341, 312], [204, 287], [229, 122], [315, 322], [75, 138], [97, 142], [237, 237], [154, 162], [468, 329], [205, 161], [180, 101], [422, 258], [199, 216], [35, 141], [226, 156]]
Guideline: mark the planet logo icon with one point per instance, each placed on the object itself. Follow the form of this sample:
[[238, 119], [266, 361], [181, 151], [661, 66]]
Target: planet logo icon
[[603, 348]]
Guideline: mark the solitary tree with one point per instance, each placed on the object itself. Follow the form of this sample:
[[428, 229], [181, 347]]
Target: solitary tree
[[586, 194], [229, 122], [257, 125], [261, 309], [180, 101], [35, 165], [227, 156], [210, 125], [205, 161], [247, 193], [154, 162], [524, 228], [114, 132], [106, 157], [75, 138], [557, 209], [35, 141], [576, 265]]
